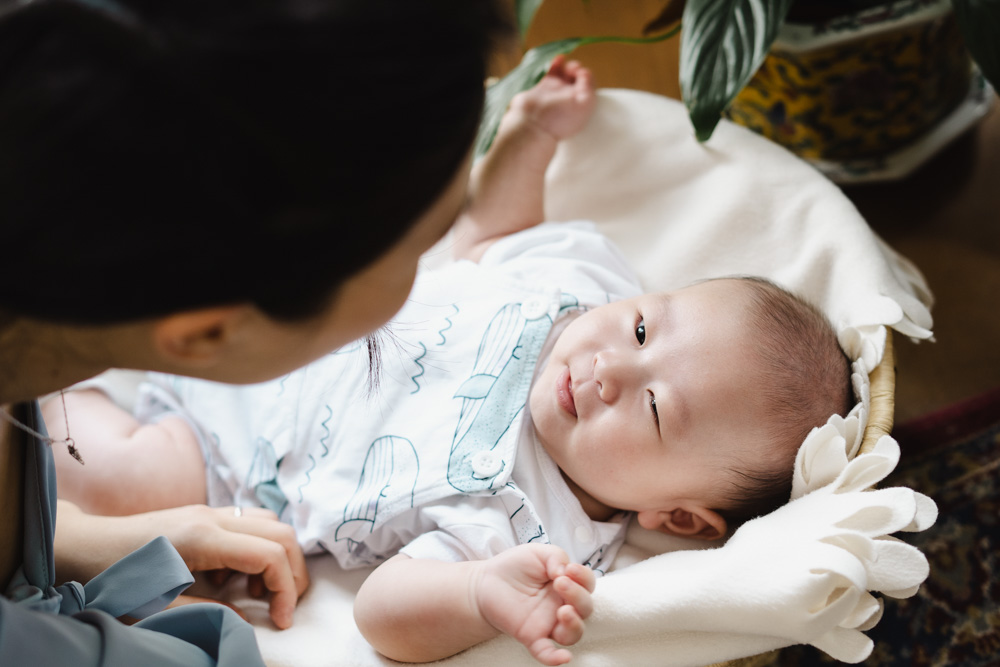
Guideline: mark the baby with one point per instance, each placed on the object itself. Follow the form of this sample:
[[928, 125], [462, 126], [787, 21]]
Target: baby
[[530, 400]]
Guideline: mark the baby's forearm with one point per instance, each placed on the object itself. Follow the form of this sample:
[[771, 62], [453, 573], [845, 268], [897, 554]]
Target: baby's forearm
[[509, 182], [416, 610], [507, 187]]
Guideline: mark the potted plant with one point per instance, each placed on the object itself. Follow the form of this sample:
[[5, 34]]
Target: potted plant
[[724, 44]]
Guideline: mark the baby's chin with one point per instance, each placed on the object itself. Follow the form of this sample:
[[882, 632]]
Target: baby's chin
[[592, 507]]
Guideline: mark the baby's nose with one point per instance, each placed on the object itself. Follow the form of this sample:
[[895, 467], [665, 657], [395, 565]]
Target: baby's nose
[[606, 377]]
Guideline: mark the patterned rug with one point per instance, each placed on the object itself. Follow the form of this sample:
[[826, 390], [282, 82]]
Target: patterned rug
[[954, 620]]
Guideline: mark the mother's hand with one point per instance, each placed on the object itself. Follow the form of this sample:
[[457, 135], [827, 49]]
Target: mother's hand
[[255, 543], [207, 538]]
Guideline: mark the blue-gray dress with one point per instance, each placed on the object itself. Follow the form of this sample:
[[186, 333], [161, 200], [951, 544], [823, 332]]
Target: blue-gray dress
[[73, 624]]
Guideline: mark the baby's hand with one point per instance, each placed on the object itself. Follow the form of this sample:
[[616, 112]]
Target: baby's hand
[[561, 103], [534, 594]]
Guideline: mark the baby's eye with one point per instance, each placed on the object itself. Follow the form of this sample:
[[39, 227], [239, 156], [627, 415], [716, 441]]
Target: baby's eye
[[640, 331], [652, 407]]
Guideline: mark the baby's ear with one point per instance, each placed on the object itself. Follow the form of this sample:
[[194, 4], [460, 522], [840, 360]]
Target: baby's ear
[[691, 521]]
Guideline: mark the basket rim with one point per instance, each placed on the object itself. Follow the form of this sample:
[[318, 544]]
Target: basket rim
[[883, 403]]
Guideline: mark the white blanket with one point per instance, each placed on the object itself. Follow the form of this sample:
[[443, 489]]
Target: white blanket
[[804, 574]]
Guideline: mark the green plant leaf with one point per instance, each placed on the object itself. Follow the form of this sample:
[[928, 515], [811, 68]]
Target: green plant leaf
[[722, 45], [668, 16], [525, 11], [979, 21], [533, 66]]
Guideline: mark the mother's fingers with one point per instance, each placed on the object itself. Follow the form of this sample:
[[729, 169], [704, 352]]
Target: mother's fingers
[[257, 544], [255, 586], [254, 543], [257, 555], [239, 512], [263, 523]]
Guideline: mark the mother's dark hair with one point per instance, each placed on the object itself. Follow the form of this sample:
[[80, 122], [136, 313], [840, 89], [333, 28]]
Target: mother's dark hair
[[161, 156]]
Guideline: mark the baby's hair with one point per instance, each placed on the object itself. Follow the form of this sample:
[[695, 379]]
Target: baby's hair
[[163, 156], [804, 378]]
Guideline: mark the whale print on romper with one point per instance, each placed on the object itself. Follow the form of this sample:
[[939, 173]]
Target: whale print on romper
[[263, 478], [390, 471], [504, 364], [492, 397]]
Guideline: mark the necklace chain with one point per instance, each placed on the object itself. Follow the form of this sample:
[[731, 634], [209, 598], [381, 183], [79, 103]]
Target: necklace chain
[[68, 441]]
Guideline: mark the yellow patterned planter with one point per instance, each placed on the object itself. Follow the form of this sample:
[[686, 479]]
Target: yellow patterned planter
[[861, 87]]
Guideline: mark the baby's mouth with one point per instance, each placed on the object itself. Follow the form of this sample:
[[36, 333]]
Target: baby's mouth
[[564, 392]]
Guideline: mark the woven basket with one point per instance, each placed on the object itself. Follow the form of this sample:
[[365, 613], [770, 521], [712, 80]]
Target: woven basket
[[880, 418]]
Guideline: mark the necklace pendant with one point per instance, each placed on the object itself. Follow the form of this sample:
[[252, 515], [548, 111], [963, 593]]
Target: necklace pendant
[[73, 451]]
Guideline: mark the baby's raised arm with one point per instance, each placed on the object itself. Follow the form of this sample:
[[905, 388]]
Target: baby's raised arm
[[417, 610], [507, 184]]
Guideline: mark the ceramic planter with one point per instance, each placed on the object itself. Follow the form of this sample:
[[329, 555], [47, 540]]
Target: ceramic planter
[[867, 96]]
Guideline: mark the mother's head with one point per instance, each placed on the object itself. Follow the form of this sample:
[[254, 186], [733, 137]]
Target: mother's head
[[258, 173]]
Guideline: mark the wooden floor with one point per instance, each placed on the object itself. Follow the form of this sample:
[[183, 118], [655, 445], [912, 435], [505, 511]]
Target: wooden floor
[[945, 217]]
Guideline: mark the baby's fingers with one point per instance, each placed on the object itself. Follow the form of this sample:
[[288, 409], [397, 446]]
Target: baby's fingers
[[557, 67], [556, 561], [575, 595], [548, 652], [584, 87], [582, 575], [569, 626]]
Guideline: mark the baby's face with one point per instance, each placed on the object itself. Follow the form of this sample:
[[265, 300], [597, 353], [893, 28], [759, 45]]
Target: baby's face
[[643, 402]]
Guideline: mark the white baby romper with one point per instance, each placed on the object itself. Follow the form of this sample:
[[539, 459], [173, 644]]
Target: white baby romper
[[427, 457]]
